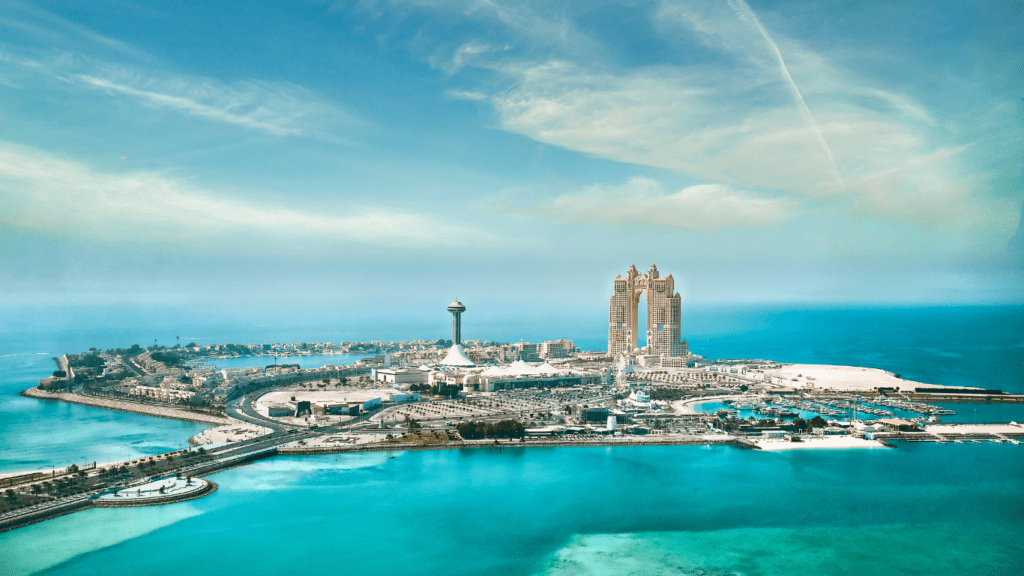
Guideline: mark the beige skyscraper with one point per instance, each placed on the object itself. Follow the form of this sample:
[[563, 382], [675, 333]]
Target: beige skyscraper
[[663, 310]]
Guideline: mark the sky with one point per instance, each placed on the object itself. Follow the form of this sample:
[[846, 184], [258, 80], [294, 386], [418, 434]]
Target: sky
[[383, 157]]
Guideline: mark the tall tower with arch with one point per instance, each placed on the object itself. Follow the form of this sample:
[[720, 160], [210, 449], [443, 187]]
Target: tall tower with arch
[[663, 311]]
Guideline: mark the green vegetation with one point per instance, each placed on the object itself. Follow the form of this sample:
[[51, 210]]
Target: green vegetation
[[480, 430], [667, 394], [169, 359], [86, 361], [446, 391]]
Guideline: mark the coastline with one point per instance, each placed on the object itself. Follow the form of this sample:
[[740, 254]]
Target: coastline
[[126, 406], [87, 502], [293, 450]]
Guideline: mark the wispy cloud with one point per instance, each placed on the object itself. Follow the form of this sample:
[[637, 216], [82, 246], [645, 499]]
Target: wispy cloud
[[743, 122], [704, 208], [57, 30], [279, 110], [61, 197], [696, 122], [746, 15], [275, 108], [745, 106]]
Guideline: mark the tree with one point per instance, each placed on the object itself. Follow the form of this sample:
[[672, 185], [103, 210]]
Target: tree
[[800, 424], [816, 422]]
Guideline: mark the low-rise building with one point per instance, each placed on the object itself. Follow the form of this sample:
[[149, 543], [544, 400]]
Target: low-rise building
[[524, 351], [396, 376], [556, 349]]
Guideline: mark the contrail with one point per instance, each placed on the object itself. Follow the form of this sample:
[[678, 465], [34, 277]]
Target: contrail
[[743, 10]]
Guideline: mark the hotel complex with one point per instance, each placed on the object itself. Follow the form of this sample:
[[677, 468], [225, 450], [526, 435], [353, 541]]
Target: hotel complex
[[663, 309]]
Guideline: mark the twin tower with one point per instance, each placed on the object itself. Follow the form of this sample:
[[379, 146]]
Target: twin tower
[[663, 308]]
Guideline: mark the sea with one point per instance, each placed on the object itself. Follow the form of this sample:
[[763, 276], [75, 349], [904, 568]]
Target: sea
[[918, 508]]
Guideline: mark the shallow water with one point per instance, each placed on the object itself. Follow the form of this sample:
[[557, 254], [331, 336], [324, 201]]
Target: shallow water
[[40, 435], [643, 510]]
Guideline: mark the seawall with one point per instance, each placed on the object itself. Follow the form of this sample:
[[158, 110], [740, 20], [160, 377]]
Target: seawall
[[126, 406]]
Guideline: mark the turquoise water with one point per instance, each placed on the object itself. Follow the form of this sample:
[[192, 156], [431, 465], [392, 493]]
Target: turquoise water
[[966, 412], [40, 435], [916, 509], [679, 510]]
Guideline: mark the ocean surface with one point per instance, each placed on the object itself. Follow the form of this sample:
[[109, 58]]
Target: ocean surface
[[562, 511], [914, 509]]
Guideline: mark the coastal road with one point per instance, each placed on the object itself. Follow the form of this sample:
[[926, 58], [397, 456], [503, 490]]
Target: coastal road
[[129, 365], [241, 409]]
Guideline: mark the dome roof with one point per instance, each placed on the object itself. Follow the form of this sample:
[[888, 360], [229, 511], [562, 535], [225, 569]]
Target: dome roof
[[456, 305]]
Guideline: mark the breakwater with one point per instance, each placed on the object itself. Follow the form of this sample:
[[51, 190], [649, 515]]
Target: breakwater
[[126, 406], [50, 511], [209, 488]]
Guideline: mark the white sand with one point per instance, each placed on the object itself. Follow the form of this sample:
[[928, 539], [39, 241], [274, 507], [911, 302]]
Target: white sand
[[232, 433], [851, 378], [817, 442]]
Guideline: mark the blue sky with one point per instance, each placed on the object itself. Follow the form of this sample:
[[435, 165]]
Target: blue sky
[[516, 154]]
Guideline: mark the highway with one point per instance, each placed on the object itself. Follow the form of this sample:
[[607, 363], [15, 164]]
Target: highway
[[241, 409]]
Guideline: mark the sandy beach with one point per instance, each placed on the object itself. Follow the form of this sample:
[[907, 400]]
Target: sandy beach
[[845, 378]]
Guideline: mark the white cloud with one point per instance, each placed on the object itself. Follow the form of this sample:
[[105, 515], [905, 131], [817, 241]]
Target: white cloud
[[275, 108], [696, 122], [60, 197], [467, 95], [750, 108], [56, 30], [703, 208], [738, 125]]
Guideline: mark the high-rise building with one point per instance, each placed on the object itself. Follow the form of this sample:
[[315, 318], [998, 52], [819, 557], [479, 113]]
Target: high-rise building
[[663, 311]]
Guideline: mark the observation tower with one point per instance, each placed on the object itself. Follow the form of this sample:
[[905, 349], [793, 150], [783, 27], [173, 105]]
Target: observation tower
[[456, 308], [456, 355]]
